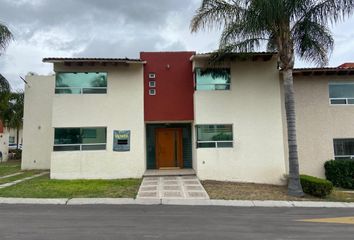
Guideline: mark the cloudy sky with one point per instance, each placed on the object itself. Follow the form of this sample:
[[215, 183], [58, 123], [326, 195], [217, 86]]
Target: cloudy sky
[[112, 28]]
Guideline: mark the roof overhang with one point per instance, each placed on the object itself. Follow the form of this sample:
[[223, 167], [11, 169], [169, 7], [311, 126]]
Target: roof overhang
[[323, 71], [93, 60], [247, 56]]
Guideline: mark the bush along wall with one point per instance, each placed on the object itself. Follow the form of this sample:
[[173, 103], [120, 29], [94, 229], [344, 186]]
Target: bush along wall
[[340, 173], [316, 186]]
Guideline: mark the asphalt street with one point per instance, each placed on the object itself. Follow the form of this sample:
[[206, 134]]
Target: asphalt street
[[101, 222]]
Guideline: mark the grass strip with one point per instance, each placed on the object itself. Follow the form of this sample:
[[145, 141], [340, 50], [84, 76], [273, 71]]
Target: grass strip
[[43, 187], [7, 168]]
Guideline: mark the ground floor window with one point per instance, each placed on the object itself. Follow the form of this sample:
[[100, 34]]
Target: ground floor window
[[11, 139], [80, 139], [343, 148], [214, 136]]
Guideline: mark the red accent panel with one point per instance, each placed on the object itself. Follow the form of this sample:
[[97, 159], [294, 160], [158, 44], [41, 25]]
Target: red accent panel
[[174, 86]]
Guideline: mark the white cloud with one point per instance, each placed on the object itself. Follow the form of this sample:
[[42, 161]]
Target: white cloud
[[113, 28]]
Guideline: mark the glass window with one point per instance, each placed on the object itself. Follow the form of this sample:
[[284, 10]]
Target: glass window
[[152, 84], [81, 83], [214, 136], [11, 139], [76, 139], [213, 79], [343, 148], [152, 92], [341, 93]]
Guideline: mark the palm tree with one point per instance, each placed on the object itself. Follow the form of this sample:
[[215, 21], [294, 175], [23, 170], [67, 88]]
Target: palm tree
[[5, 37], [290, 27]]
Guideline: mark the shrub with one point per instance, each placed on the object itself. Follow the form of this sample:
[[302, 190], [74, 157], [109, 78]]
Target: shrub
[[340, 173], [316, 186], [17, 153]]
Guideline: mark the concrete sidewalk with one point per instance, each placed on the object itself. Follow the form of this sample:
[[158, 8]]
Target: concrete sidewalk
[[189, 202]]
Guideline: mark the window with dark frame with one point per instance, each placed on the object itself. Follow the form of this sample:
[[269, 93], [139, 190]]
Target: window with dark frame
[[343, 148], [81, 83], [212, 79], [214, 136], [341, 93], [80, 139]]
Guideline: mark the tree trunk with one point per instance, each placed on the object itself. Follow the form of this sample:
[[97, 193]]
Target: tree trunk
[[294, 185], [17, 135]]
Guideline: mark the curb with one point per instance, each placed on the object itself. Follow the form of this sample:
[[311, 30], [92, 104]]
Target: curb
[[180, 202], [51, 201], [112, 201]]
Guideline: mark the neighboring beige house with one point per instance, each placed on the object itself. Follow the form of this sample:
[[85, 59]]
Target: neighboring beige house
[[7, 137], [3, 143], [13, 136], [325, 116], [117, 118]]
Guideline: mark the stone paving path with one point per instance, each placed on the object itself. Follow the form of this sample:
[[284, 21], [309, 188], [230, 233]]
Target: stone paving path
[[172, 187], [11, 175], [21, 180]]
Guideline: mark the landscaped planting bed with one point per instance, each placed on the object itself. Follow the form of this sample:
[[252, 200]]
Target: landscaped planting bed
[[252, 191]]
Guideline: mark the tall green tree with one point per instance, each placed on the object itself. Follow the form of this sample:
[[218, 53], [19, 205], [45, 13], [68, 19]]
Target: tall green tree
[[290, 27], [5, 38], [4, 96]]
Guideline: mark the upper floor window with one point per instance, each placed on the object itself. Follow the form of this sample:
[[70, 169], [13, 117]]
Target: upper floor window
[[212, 79], [343, 148], [81, 83], [80, 139], [214, 136], [341, 93]]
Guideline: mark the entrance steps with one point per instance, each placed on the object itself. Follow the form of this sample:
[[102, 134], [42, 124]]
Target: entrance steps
[[169, 172], [172, 187]]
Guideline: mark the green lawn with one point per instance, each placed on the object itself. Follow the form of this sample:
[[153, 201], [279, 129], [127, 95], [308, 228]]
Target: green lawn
[[43, 187], [10, 167]]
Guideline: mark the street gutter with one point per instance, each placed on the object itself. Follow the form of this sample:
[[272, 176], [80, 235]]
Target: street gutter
[[185, 202]]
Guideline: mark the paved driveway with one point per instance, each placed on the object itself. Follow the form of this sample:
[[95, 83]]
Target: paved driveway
[[98, 222]]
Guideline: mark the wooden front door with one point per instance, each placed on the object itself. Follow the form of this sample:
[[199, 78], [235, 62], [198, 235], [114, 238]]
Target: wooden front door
[[169, 152]]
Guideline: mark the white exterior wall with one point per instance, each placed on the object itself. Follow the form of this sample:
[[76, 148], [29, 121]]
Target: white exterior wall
[[253, 107], [37, 122], [121, 108]]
